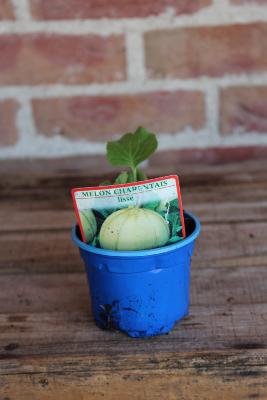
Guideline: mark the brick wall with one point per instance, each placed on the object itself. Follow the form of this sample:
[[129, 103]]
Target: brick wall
[[75, 73]]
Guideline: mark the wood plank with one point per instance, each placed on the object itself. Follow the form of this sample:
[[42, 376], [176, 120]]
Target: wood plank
[[58, 190], [50, 250], [177, 360], [219, 244], [210, 327], [231, 240], [30, 220], [244, 261], [50, 347], [217, 184], [208, 210], [44, 293], [202, 376], [69, 291], [96, 167], [215, 212]]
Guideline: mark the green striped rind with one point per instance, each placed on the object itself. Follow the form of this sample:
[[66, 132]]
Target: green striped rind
[[134, 228], [89, 225]]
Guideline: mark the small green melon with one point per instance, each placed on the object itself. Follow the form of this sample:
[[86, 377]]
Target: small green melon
[[89, 224], [134, 228]]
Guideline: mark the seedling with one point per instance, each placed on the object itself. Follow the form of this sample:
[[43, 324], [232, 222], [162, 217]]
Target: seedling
[[130, 151], [125, 215]]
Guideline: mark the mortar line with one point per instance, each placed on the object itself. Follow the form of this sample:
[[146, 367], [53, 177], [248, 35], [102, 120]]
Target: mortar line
[[135, 55], [221, 3], [22, 10], [61, 147], [212, 113], [205, 17], [132, 87], [24, 120]]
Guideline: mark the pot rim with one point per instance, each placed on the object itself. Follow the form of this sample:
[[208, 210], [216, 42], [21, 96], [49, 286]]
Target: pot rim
[[139, 253]]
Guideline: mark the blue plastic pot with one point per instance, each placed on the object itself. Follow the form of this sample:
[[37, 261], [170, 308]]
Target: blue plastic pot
[[142, 293]]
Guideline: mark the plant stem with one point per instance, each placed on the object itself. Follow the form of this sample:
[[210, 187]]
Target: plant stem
[[134, 171]]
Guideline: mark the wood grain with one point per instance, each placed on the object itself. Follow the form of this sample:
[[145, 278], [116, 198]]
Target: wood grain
[[52, 250], [223, 375], [50, 347], [207, 327], [60, 291]]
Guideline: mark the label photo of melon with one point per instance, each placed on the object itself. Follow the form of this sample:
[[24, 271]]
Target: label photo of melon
[[131, 217]]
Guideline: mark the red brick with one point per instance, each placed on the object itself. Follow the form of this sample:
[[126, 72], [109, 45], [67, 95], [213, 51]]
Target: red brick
[[210, 51], [248, 2], [100, 118], [71, 9], [8, 130], [6, 10], [243, 109], [36, 59]]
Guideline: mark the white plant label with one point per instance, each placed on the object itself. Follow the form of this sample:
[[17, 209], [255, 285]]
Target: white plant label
[[118, 215]]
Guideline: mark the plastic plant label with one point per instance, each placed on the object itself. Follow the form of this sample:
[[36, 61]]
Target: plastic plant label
[[133, 216]]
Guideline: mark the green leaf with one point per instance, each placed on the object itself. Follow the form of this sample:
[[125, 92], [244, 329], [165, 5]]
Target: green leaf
[[174, 239], [151, 205], [95, 242], [141, 176], [174, 203], [103, 213], [132, 148], [122, 178], [130, 177], [174, 206], [176, 226]]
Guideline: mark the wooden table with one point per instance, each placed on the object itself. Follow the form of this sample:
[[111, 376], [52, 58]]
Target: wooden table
[[50, 347]]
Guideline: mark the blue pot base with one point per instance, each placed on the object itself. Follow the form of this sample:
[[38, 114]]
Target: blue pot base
[[163, 330]]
